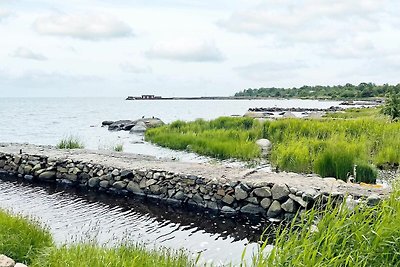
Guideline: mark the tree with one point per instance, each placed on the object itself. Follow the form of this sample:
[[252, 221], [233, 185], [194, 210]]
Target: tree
[[392, 106]]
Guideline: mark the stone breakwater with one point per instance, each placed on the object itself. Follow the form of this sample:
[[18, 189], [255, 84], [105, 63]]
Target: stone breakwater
[[208, 187]]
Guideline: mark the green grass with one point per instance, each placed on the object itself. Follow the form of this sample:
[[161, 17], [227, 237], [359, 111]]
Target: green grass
[[27, 241], [82, 255], [328, 146], [70, 142], [339, 236], [21, 238], [118, 148]]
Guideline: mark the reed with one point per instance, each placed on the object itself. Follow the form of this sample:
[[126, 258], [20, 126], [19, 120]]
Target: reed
[[339, 236]]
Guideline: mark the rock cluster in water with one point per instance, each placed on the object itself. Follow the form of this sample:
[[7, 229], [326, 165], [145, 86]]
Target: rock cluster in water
[[266, 199], [8, 262], [276, 109], [136, 126]]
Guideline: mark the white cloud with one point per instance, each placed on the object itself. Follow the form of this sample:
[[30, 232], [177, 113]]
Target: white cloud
[[271, 71], [23, 52], [4, 13], [186, 50], [307, 20], [130, 68], [87, 26]]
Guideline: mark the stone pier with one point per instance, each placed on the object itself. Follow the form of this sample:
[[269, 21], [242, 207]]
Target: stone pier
[[214, 187]]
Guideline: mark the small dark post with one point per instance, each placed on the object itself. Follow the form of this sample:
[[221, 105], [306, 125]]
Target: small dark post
[[20, 151]]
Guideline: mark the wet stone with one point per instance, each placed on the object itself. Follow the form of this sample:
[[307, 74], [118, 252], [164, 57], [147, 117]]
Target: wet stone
[[252, 209], [275, 209], [228, 199]]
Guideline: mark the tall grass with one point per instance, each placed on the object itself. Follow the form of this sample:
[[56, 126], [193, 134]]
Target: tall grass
[[25, 240], [121, 256], [70, 142], [22, 239], [339, 236], [329, 146]]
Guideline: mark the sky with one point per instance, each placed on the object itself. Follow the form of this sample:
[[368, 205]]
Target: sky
[[97, 48]]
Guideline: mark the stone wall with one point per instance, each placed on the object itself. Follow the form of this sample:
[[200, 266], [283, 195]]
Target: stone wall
[[271, 200]]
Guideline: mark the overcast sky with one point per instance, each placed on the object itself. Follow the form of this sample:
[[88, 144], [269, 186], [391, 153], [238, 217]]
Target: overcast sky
[[193, 47]]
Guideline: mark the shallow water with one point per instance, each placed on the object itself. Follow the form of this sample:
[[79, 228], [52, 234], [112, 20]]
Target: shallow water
[[74, 215], [47, 120]]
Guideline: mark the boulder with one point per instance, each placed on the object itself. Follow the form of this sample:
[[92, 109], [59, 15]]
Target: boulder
[[265, 203], [226, 209], [240, 193], [280, 192], [264, 144], [6, 261], [252, 209], [93, 182], [47, 176], [289, 206], [140, 127], [275, 209], [228, 199], [262, 192], [106, 123], [288, 114]]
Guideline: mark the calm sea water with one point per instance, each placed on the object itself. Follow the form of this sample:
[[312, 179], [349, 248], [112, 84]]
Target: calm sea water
[[73, 215], [47, 120]]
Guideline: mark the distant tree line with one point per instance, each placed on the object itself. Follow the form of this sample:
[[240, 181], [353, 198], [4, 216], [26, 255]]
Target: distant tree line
[[347, 91]]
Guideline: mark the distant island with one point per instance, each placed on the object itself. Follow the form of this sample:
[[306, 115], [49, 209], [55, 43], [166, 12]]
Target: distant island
[[347, 91]]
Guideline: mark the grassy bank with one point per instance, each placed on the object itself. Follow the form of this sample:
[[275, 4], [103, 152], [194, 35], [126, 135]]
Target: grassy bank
[[26, 241], [330, 146], [365, 236]]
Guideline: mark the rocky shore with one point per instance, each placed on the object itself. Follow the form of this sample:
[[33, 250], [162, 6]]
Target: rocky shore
[[209, 187], [133, 126]]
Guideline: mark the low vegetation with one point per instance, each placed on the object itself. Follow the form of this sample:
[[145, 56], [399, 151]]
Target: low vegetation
[[70, 142], [330, 146], [347, 91], [25, 240], [22, 239], [118, 148], [339, 236]]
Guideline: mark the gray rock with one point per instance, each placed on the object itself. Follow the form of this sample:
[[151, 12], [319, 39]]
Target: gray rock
[[252, 209], [106, 123], [275, 209], [373, 200], [197, 198], [309, 195], [20, 265], [133, 187], [93, 182], [228, 199], [264, 144], [126, 174], [298, 200], [151, 182], [155, 189], [240, 193], [119, 185], [262, 192], [212, 205], [140, 127], [72, 177], [47, 176], [104, 184], [179, 195], [28, 177], [289, 206], [265, 203], [252, 200], [227, 209], [280, 192], [2, 163], [6, 261], [115, 172]]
